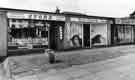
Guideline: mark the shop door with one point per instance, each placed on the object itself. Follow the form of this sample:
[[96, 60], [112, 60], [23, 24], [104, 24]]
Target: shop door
[[86, 35], [56, 36], [133, 34]]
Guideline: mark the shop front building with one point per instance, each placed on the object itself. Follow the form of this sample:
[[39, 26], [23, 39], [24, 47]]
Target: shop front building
[[26, 31], [123, 31], [34, 31], [87, 32]]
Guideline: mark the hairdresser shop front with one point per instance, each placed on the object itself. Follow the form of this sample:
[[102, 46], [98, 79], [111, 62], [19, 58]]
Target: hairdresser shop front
[[87, 32]]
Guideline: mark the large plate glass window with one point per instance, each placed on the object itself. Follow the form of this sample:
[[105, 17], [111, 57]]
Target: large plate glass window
[[27, 32], [124, 34], [99, 34]]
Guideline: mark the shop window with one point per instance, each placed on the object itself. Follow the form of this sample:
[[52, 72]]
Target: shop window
[[28, 31], [13, 26], [76, 34], [76, 29], [44, 34], [124, 34], [99, 34], [13, 20]]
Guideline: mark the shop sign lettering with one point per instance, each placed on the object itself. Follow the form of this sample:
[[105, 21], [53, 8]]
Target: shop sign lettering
[[74, 19], [101, 21], [124, 21], [60, 18], [39, 16], [16, 15], [88, 20], [34, 16]]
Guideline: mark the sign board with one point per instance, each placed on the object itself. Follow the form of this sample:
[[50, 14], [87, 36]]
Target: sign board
[[60, 32], [36, 16], [88, 20], [124, 21], [59, 18]]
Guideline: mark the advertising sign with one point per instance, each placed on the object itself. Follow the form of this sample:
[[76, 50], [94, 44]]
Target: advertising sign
[[36, 16], [61, 32], [88, 20], [124, 21]]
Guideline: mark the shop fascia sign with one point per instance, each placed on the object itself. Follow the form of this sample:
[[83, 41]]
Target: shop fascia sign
[[88, 20], [35, 16], [124, 21]]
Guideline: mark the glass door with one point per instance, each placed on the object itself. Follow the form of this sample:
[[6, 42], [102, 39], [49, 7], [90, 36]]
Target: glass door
[[86, 35]]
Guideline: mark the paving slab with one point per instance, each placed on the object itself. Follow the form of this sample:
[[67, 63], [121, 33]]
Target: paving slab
[[124, 72], [54, 76], [121, 73], [118, 69], [32, 77], [79, 73], [115, 63]]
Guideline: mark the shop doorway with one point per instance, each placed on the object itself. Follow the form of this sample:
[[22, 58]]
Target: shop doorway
[[133, 34], [56, 35], [99, 36], [86, 35]]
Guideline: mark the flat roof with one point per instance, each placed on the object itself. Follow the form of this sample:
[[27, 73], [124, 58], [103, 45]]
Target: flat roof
[[71, 14]]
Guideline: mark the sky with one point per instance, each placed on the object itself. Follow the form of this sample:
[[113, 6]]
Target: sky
[[108, 8]]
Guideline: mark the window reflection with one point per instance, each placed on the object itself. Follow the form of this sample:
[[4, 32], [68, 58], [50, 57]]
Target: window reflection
[[28, 31]]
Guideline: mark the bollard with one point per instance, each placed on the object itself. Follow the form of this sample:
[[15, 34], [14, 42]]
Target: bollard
[[51, 55]]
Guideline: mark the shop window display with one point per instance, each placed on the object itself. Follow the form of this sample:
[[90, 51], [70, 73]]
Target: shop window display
[[76, 35], [25, 32], [76, 41], [99, 34], [124, 34]]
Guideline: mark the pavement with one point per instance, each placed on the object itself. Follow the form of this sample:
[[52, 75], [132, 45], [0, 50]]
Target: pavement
[[85, 56], [114, 63], [121, 68]]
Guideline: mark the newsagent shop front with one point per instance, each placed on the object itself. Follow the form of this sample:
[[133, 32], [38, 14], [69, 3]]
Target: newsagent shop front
[[123, 31], [87, 32], [35, 30]]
